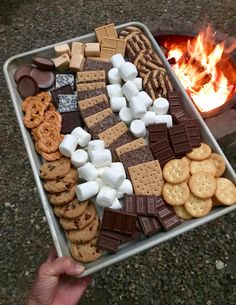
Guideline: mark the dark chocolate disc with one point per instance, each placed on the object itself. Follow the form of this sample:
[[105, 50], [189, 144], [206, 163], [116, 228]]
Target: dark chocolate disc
[[27, 86], [43, 63], [23, 70], [44, 79]]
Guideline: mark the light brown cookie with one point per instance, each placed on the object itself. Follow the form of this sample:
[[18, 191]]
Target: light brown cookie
[[55, 169], [175, 194], [200, 153], [82, 221], [175, 171], [73, 209], [63, 198], [62, 184], [182, 213], [225, 191], [219, 163], [198, 207], [86, 234], [85, 253], [202, 185], [202, 166]]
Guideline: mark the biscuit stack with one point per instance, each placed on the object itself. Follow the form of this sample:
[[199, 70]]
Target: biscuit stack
[[79, 219]]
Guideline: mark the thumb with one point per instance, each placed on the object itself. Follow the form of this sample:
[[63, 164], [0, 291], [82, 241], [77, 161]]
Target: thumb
[[64, 265]]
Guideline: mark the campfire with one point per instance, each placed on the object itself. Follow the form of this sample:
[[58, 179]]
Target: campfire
[[204, 67]]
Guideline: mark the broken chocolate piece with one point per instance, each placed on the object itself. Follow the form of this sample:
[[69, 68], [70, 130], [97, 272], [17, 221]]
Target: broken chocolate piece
[[150, 225]]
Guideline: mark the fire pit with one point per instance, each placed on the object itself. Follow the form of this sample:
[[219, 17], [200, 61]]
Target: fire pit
[[205, 68]]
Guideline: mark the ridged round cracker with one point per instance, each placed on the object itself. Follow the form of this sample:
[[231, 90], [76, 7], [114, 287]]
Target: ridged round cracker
[[202, 185], [200, 153], [219, 163], [84, 235], [202, 166], [82, 221], [73, 209], [225, 191], [182, 213], [198, 207], [175, 171], [85, 253], [175, 194]]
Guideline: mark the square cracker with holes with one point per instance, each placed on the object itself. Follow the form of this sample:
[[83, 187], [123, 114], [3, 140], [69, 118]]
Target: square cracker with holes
[[111, 134], [147, 178], [97, 117], [130, 146]]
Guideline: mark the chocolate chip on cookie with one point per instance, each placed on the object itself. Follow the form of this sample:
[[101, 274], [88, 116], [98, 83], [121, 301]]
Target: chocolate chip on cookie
[[63, 198], [73, 209], [55, 169]]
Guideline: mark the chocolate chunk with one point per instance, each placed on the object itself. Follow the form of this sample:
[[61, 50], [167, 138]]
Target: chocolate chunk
[[178, 115], [137, 156], [164, 211], [150, 225], [103, 125], [43, 63], [62, 90], [70, 120], [27, 86], [157, 132], [130, 203], [193, 131], [91, 64], [44, 79], [180, 140], [23, 70], [82, 95], [162, 151], [175, 101], [171, 222], [108, 243], [118, 221], [140, 204], [94, 109]]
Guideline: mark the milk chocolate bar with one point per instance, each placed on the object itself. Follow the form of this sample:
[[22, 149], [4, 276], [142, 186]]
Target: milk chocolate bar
[[94, 109], [108, 243], [180, 140], [101, 126], [91, 64], [141, 205], [162, 151], [193, 131], [150, 225], [125, 138], [157, 132], [70, 120], [82, 95]]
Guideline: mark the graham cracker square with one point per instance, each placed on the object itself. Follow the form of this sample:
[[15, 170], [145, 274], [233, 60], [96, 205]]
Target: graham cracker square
[[111, 134], [97, 117], [130, 146]]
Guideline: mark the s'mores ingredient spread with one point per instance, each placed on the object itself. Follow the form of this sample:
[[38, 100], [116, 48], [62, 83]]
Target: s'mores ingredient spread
[[122, 158]]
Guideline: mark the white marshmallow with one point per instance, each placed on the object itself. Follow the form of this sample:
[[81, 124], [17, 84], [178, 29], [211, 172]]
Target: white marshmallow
[[99, 182], [139, 83], [149, 118], [86, 190], [79, 157], [125, 115], [117, 60], [137, 107], [68, 145], [161, 105], [138, 128], [116, 205], [128, 71], [118, 166], [125, 188], [106, 196], [130, 89], [114, 90], [165, 118], [145, 98], [100, 170], [114, 76], [112, 177], [101, 158], [87, 172], [83, 137], [117, 103], [96, 145]]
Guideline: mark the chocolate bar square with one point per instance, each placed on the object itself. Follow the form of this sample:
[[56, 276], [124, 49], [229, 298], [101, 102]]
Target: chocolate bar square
[[162, 151], [180, 140], [150, 225], [70, 120], [91, 64], [101, 126], [157, 132], [62, 90], [82, 95]]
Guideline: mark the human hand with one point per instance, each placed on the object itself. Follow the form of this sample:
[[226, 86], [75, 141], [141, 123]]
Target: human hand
[[55, 284]]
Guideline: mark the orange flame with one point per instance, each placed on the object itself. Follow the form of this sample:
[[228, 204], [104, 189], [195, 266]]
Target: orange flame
[[197, 68]]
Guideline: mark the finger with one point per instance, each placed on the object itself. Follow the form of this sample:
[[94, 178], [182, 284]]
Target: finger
[[64, 265], [52, 254], [79, 286]]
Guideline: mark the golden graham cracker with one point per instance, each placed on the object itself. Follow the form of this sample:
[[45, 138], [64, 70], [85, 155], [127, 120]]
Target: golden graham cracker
[[91, 76], [107, 30], [111, 134], [147, 178], [97, 117], [130, 146], [90, 86], [92, 101]]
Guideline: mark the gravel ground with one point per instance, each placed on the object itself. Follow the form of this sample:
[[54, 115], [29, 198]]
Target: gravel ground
[[198, 267]]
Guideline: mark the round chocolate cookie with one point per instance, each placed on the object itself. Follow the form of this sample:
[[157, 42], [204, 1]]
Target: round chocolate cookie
[[43, 63], [27, 86], [63, 198], [44, 79], [23, 70], [56, 169], [73, 209]]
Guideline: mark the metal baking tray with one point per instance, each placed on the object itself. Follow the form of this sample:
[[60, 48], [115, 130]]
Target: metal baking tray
[[57, 232]]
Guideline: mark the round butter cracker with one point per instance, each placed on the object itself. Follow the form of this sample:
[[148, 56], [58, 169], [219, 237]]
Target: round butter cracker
[[219, 163], [202, 185], [175, 171], [199, 153], [225, 191], [198, 207], [175, 194], [202, 166]]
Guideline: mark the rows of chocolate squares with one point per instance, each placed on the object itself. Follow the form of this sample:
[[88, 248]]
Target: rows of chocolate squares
[[140, 214]]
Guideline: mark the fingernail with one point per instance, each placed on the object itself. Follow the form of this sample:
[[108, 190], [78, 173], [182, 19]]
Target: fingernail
[[79, 268]]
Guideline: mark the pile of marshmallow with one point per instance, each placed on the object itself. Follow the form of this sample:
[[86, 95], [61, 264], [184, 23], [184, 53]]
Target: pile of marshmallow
[[102, 177], [136, 108]]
